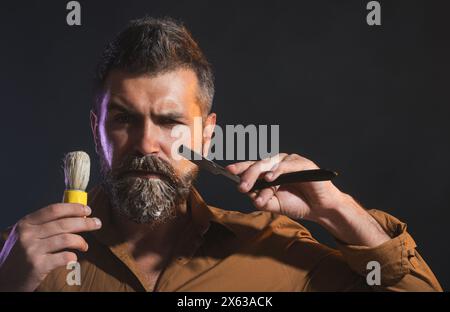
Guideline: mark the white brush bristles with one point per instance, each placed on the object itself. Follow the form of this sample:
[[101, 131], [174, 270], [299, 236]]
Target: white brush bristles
[[77, 166]]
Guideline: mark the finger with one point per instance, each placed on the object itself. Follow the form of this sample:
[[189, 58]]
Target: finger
[[264, 196], [249, 176], [239, 167], [57, 211], [64, 241], [290, 163], [253, 194], [56, 260], [68, 225], [273, 205]]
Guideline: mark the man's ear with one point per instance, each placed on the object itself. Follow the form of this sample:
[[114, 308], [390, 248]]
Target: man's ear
[[94, 128], [208, 131]]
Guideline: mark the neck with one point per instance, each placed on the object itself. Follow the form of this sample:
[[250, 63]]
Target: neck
[[144, 239]]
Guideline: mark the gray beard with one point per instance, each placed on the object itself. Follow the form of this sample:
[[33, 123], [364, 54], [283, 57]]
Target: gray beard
[[144, 200]]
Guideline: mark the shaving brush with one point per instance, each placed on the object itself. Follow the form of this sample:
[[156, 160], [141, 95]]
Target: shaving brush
[[77, 166]]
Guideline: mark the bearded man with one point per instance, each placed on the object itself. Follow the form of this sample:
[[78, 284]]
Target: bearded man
[[146, 228]]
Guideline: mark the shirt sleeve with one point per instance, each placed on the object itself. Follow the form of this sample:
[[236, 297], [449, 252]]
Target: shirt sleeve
[[400, 265]]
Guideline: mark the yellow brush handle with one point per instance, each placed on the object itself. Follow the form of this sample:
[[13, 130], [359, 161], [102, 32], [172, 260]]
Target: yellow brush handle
[[75, 197]]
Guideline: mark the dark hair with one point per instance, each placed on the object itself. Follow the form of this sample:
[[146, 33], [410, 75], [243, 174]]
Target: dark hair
[[152, 46]]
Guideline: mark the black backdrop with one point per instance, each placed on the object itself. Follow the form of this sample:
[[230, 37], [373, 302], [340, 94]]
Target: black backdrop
[[370, 102]]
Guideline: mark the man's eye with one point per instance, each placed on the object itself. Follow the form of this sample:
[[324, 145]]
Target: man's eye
[[122, 118], [169, 122]]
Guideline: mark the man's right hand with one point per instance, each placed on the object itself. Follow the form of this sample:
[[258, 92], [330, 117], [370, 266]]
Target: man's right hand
[[39, 243]]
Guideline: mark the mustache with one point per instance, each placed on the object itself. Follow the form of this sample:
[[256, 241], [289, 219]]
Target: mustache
[[148, 163]]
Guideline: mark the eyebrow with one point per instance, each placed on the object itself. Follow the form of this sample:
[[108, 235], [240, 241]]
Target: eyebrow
[[170, 115], [123, 108]]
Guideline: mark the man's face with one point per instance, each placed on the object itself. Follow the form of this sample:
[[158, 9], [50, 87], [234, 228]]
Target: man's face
[[134, 141]]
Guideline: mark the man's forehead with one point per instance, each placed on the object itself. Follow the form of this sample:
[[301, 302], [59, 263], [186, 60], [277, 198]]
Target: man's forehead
[[161, 105], [175, 89]]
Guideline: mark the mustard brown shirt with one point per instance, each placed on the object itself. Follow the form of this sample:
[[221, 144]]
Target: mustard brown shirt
[[223, 250]]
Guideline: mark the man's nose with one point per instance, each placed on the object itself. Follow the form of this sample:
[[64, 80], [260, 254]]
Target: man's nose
[[148, 140]]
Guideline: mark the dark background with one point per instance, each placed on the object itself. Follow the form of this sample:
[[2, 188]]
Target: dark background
[[370, 102]]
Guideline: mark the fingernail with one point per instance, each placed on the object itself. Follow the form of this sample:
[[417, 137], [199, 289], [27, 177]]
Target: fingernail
[[97, 221], [87, 209], [244, 186], [269, 175]]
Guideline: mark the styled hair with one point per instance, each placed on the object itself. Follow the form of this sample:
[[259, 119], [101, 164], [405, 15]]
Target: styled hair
[[152, 46]]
